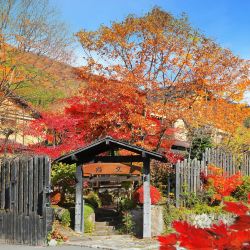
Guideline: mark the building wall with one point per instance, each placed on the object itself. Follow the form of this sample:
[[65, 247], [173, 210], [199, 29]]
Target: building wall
[[16, 118], [181, 131]]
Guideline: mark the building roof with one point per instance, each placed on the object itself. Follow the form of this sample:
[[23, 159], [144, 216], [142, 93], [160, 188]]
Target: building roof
[[19, 101], [87, 153]]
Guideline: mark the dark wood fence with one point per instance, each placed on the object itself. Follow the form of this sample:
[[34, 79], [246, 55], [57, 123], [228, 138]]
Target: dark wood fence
[[187, 172], [25, 213]]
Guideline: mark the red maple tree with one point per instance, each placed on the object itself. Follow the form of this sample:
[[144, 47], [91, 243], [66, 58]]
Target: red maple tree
[[103, 108]]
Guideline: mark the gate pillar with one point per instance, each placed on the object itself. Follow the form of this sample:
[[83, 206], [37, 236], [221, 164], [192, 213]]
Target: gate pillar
[[79, 203]]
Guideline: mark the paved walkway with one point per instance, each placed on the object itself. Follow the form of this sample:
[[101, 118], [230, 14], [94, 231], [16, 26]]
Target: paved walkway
[[110, 242], [114, 242]]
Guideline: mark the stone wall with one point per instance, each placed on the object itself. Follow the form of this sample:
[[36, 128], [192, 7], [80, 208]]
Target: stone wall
[[157, 222]]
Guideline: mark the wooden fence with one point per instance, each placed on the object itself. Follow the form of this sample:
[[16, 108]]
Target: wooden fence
[[25, 213], [187, 172]]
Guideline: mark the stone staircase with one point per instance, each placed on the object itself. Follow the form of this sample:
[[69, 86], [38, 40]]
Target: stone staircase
[[106, 223]]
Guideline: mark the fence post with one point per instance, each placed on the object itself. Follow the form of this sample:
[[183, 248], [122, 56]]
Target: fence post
[[177, 184]]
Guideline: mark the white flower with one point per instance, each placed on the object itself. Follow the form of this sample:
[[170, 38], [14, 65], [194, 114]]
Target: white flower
[[207, 220], [52, 243], [201, 220]]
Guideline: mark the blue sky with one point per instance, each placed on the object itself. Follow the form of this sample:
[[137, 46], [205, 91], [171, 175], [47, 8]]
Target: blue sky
[[225, 21]]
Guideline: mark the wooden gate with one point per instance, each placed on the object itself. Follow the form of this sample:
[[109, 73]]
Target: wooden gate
[[25, 213]]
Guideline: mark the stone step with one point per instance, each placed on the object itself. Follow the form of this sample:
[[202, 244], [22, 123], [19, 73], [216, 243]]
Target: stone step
[[104, 233], [103, 227], [102, 223]]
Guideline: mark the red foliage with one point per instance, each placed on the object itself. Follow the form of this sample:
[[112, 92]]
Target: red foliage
[[173, 157], [234, 237], [222, 184], [55, 197], [235, 207], [113, 109], [154, 194], [242, 222]]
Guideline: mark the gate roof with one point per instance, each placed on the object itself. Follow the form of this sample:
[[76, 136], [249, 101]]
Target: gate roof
[[87, 153]]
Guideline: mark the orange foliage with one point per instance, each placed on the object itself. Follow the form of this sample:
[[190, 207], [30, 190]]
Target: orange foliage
[[55, 197], [182, 73]]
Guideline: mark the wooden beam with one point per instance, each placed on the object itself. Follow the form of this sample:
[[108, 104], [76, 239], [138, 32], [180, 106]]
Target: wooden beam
[[112, 178], [79, 205], [147, 199], [124, 158], [107, 186]]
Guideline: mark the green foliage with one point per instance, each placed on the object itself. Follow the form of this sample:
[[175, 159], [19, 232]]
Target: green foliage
[[127, 204], [36, 91], [127, 222], [93, 199], [204, 208], [126, 184], [229, 198], [62, 215], [62, 174], [88, 224], [39, 96], [246, 123], [199, 144], [171, 213], [66, 218], [191, 199], [243, 190]]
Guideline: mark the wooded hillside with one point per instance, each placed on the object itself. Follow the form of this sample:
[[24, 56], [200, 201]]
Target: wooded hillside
[[57, 80]]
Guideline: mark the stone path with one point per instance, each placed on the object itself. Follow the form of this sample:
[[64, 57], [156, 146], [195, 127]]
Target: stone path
[[111, 242], [114, 242]]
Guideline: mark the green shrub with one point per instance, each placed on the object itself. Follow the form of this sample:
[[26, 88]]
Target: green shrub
[[242, 191], [88, 224], [171, 213], [65, 219], [191, 199], [127, 222], [229, 198], [206, 209], [93, 199], [62, 215], [62, 174], [63, 177], [127, 204]]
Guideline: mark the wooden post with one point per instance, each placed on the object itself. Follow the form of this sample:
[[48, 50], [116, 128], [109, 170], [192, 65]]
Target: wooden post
[[147, 199], [79, 208], [177, 184]]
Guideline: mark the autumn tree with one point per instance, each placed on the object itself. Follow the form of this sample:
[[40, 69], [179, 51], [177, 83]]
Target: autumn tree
[[28, 29], [111, 108], [28, 26], [183, 73]]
